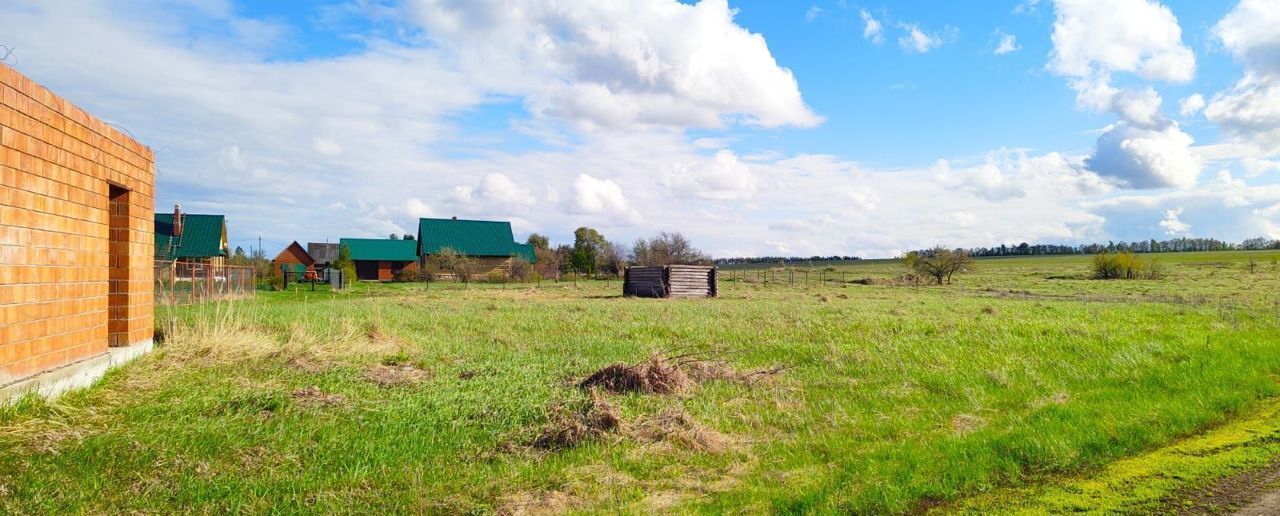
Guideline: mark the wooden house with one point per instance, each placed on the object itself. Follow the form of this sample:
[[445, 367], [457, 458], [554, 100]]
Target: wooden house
[[191, 238], [489, 245]]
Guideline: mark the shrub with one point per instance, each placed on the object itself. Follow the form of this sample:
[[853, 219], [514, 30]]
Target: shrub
[[409, 274], [454, 263], [521, 269], [1123, 265], [345, 264], [496, 276]]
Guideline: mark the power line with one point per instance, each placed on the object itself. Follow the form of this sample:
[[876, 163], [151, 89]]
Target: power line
[[8, 51]]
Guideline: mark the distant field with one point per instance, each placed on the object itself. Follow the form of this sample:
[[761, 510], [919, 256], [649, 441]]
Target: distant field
[[833, 397]]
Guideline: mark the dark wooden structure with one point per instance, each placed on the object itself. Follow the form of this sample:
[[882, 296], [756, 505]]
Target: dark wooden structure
[[670, 281]]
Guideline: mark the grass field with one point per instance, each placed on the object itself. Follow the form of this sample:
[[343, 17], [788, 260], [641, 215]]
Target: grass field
[[1022, 377]]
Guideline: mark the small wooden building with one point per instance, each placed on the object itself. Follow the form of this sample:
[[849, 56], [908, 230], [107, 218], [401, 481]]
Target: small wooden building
[[324, 254], [295, 259], [670, 281]]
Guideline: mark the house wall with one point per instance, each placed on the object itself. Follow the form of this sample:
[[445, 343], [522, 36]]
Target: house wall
[[481, 267], [69, 284], [381, 270]]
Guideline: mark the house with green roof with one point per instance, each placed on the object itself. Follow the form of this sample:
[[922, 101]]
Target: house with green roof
[[490, 245], [381, 259], [190, 237]]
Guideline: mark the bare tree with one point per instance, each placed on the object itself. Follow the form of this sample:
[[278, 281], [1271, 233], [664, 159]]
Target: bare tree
[[550, 262], [455, 263], [939, 263], [521, 269], [667, 249], [613, 259]]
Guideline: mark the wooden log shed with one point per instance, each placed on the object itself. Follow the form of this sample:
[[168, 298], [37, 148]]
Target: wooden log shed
[[670, 281]]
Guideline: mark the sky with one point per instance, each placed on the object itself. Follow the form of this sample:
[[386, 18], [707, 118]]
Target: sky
[[756, 127]]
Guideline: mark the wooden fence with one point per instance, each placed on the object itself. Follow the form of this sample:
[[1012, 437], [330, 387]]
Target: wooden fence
[[670, 281]]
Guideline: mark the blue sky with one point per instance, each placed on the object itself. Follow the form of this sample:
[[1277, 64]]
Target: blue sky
[[755, 127]]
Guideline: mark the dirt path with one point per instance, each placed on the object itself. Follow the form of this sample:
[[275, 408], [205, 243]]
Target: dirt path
[[1252, 493]]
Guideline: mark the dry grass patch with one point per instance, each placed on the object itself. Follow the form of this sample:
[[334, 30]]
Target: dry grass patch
[[397, 375], [964, 423], [655, 375], [313, 396], [675, 426], [567, 427]]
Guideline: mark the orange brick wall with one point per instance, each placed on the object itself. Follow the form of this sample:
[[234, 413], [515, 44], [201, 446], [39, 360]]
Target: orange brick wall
[[68, 287]]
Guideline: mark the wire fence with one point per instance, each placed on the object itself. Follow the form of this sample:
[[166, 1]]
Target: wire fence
[[791, 276], [180, 282]]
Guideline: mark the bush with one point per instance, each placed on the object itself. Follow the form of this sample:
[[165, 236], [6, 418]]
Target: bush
[[1123, 265], [410, 274], [521, 269], [496, 276]]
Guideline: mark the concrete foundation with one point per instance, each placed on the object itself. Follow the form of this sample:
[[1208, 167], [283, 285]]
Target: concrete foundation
[[77, 375]]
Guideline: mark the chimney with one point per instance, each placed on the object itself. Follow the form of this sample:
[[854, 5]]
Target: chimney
[[177, 220]]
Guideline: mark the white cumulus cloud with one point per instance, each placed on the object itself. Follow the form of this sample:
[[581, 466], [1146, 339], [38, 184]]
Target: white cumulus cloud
[[622, 63], [1139, 36], [1146, 157], [1191, 104], [1250, 109], [1172, 225], [602, 197]]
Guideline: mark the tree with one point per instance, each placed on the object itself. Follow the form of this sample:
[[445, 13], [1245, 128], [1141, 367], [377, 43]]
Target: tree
[[549, 263], [345, 264], [407, 237], [613, 259], [564, 256], [521, 269], [667, 249], [939, 263], [588, 245], [454, 263], [238, 257], [394, 236], [539, 242]]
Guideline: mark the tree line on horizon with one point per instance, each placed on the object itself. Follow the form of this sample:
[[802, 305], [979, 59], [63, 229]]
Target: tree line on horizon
[[1175, 245]]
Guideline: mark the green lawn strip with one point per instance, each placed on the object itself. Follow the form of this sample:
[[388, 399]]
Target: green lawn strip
[[1150, 482]]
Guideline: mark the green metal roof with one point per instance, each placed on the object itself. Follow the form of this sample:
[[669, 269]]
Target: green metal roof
[[202, 236], [381, 249], [470, 237], [526, 251]]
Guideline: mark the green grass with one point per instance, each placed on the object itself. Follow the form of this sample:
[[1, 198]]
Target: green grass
[[894, 398]]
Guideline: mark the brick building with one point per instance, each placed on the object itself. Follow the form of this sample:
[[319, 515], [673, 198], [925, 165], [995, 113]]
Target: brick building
[[296, 260], [76, 202]]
